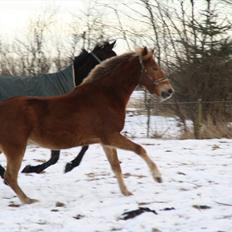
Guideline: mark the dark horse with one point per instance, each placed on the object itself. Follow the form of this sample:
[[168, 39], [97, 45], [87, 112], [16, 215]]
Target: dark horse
[[94, 112], [56, 84]]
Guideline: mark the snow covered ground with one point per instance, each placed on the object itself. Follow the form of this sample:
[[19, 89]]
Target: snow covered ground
[[160, 127], [196, 194]]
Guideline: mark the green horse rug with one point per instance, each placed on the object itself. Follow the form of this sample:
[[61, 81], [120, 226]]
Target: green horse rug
[[53, 84]]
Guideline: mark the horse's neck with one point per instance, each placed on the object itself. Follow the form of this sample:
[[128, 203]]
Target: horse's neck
[[119, 87], [81, 71], [125, 83], [126, 91]]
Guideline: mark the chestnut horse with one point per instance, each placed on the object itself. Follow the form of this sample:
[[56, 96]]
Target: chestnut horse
[[94, 112], [73, 74]]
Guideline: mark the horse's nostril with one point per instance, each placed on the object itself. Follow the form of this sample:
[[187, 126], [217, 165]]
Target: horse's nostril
[[165, 94]]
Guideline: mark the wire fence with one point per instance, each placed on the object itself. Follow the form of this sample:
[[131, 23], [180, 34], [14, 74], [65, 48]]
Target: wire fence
[[148, 117]]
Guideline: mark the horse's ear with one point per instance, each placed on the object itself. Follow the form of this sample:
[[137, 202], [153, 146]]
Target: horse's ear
[[111, 45], [84, 50], [144, 52]]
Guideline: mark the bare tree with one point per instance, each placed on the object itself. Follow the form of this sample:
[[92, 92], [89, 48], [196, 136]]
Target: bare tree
[[32, 54], [88, 28], [206, 72]]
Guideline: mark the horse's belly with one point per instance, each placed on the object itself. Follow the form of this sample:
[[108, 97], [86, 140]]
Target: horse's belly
[[63, 142]]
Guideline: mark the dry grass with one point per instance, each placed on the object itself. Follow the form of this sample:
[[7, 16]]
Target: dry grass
[[189, 134], [209, 131], [216, 131]]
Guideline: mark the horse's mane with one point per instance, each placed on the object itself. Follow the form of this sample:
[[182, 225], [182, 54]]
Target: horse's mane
[[107, 67]]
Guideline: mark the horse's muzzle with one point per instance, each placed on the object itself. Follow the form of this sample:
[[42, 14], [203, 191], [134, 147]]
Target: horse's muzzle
[[167, 94]]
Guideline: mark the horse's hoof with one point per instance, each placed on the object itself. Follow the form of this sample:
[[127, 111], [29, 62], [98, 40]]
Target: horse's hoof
[[31, 169], [27, 169], [159, 179], [30, 201], [127, 193], [5, 182], [157, 176], [68, 167]]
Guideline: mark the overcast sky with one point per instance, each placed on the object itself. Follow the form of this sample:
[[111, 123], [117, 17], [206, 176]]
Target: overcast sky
[[15, 14]]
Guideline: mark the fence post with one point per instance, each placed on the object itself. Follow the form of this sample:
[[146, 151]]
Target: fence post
[[148, 111], [198, 122]]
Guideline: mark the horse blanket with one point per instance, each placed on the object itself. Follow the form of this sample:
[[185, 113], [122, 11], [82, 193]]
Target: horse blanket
[[53, 84]]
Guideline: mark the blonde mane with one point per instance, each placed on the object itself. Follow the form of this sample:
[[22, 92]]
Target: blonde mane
[[107, 67]]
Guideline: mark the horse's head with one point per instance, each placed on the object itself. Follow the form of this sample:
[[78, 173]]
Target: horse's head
[[152, 77], [86, 61], [103, 51]]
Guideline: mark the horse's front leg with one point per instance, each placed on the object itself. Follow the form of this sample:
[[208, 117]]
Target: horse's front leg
[[55, 155], [112, 157], [76, 162], [120, 141]]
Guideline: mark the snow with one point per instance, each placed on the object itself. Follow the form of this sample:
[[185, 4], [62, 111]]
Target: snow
[[160, 126], [195, 173], [164, 127]]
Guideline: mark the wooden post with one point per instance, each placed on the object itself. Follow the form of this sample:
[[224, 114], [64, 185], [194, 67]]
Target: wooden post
[[148, 111], [198, 121], [149, 117]]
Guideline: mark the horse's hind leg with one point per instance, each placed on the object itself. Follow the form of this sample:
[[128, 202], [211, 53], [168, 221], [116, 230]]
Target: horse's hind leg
[[55, 155], [14, 160], [76, 162], [120, 141], [2, 171], [112, 157]]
